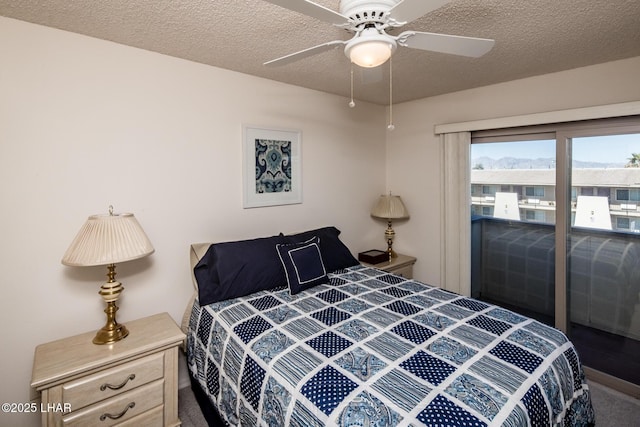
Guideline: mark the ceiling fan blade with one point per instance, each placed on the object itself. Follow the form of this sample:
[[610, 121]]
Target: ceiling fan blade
[[292, 57], [312, 9], [445, 43], [410, 10]]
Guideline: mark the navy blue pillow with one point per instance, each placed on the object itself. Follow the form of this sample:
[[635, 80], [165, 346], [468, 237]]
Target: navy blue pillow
[[302, 264], [335, 254], [234, 269]]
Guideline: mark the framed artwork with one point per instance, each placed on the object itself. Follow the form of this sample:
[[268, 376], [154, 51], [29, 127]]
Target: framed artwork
[[271, 167]]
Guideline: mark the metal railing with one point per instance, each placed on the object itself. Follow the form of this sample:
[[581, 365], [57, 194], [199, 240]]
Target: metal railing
[[513, 264]]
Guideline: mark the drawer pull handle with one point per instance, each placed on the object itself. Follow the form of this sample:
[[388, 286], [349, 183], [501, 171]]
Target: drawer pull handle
[[105, 386], [120, 415]]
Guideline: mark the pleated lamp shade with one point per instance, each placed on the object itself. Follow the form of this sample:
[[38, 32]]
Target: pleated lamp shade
[[389, 207], [108, 239]]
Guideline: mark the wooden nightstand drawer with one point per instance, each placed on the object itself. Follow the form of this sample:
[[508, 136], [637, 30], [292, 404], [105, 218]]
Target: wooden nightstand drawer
[[406, 271], [152, 418], [402, 265], [134, 380], [118, 409], [110, 382]]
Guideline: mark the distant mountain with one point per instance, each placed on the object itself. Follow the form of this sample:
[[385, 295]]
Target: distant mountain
[[548, 163]]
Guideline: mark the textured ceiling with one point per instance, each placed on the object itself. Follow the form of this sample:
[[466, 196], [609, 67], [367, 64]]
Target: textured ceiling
[[532, 37]]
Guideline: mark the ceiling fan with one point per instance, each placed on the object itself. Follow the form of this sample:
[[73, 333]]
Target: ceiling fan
[[369, 21]]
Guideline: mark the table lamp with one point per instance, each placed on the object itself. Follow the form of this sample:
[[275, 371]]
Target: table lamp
[[107, 239], [390, 207]]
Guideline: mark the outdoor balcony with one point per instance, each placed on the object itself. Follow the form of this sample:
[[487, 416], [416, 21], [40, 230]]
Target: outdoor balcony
[[513, 265]]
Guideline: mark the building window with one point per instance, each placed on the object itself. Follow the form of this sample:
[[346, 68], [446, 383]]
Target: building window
[[628, 195], [586, 191], [534, 191], [623, 223], [537, 216], [488, 189]]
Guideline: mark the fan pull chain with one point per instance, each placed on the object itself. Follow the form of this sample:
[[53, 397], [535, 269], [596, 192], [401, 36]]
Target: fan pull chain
[[351, 103], [391, 126]]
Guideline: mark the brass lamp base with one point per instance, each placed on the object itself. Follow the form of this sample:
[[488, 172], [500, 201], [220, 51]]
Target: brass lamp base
[[390, 234], [112, 331]]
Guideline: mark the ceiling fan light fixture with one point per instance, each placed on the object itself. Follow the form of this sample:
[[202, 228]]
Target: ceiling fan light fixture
[[370, 49]]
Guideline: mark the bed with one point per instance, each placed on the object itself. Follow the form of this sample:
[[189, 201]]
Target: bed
[[317, 339]]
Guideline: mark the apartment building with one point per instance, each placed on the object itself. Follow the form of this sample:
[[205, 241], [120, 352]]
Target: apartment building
[[610, 193]]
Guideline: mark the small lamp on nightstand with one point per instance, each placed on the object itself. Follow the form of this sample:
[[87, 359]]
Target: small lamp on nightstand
[[390, 207], [107, 240]]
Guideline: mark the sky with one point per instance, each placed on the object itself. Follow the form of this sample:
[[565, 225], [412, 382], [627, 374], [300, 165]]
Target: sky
[[605, 149]]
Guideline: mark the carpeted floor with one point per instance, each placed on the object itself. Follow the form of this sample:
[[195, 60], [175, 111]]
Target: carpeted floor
[[188, 409], [613, 409]]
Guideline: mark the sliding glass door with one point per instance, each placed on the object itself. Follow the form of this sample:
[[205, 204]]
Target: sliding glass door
[[556, 234], [603, 257], [513, 207]]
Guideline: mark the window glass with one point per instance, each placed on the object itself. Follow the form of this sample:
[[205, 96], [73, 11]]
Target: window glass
[[517, 179], [603, 273], [605, 166], [534, 191], [514, 222], [592, 291]]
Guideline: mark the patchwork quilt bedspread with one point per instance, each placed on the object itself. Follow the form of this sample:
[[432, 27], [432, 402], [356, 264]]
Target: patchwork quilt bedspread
[[375, 349]]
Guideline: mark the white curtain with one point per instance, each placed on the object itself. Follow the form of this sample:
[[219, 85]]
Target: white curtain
[[455, 244]]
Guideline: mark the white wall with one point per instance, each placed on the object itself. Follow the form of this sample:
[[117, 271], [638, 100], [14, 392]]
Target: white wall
[[86, 123], [413, 151]]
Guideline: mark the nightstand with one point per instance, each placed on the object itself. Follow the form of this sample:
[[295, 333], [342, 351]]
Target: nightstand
[[402, 265], [132, 382]]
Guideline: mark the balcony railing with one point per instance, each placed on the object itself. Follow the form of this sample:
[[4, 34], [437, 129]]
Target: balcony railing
[[513, 264]]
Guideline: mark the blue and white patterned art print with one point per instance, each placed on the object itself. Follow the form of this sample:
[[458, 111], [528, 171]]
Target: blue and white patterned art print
[[271, 166]]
